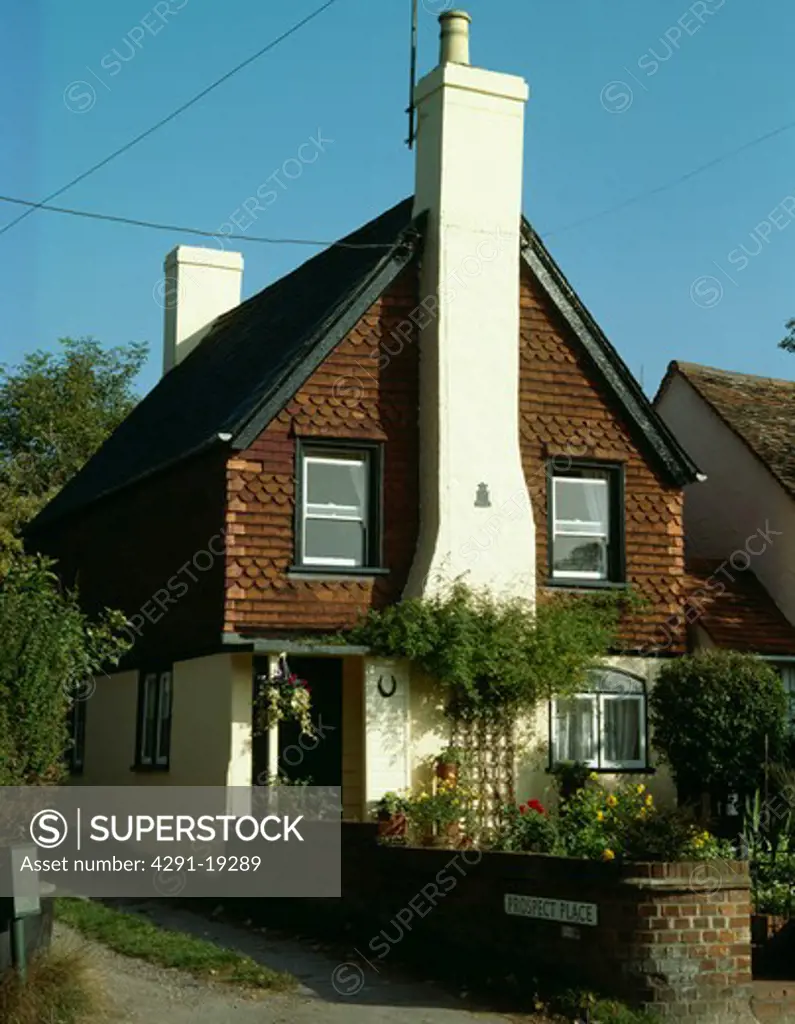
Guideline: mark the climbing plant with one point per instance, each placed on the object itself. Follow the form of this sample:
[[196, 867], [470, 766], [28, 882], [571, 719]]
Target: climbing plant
[[496, 656]]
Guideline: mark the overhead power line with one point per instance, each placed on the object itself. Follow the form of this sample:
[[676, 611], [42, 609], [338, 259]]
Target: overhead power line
[[671, 184], [175, 113], [179, 229]]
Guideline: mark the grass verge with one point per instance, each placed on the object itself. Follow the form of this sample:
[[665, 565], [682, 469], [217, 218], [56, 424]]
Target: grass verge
[[59, 988], [134, 936]]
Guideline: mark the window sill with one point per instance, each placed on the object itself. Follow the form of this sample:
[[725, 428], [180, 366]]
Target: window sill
[[150, 768], [338, 572], [573, 584], [615, 771]]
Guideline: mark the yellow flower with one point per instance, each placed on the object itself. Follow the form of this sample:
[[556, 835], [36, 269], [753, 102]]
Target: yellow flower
[[424, 796], [611, 801], [649, 800], [642, 813], [600, 815], [641, 788], [593, 777], [608, 855]]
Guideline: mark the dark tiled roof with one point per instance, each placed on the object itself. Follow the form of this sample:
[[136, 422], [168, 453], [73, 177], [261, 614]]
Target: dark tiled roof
[[257, 356], [743, 617], [244, 361], [760, 410]]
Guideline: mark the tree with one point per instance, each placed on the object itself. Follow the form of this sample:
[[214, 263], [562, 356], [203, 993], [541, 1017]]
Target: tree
[[788, 343], [49, 651], [56, 409], [718, 717]]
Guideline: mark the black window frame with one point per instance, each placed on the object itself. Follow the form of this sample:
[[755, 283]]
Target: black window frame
[[638, 690], [374, 451], [159, 762], [616, 548]]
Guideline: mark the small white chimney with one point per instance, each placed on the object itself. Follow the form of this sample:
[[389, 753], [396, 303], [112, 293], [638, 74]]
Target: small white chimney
[[476, 518], [200, 285]]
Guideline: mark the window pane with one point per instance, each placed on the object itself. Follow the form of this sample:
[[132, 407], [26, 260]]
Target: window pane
[[334, 541], [164, 723], [341, 483], [580, 556], [575, 730], [621, 723], [149, 725], [582, 504]]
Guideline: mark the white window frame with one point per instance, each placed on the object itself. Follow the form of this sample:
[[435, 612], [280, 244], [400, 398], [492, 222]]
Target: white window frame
[[336, 513], [598, 701], [573, 528], [163, 698]]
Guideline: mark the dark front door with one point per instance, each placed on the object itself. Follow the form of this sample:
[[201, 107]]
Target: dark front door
[[318, 757]]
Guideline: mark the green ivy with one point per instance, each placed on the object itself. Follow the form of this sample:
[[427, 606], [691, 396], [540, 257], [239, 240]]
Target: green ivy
[[496, 656]]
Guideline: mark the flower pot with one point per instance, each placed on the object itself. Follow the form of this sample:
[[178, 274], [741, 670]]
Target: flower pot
[[392, 825], [447, 771]]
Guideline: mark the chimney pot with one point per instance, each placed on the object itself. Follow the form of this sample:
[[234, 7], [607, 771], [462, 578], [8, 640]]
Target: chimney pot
[[455, 37]]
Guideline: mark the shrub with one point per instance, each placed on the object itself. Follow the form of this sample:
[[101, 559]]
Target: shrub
[[59, 989], [626, 825], [717, 715], [527, 828]]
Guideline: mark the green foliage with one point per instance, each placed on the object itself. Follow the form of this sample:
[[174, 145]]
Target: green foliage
[[48, 650], [496, 656], [390, 804], [527, 828], [767, 837], [625, 824], [715, 716], [135, 936], [441, 808], [570, 777], [788, 343], [61, 988], [56, 409]]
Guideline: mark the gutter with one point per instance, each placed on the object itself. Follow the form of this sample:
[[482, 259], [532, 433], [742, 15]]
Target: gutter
[[275, 645]]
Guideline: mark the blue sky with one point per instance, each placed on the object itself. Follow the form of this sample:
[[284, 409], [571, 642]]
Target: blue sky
[[627, 95]]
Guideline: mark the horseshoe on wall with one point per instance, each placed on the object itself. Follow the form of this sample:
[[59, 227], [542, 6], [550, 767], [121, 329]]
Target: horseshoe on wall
[[382, 689]]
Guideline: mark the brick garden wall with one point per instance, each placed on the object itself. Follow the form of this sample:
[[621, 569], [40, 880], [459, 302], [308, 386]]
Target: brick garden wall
[[673, 938]]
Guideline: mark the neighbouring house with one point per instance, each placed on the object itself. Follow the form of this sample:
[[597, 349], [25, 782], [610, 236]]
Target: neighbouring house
[[427, 397], [740, 521]]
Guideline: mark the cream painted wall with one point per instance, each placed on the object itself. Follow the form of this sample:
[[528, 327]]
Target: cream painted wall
[[476, 516], [200, 284], [739, 498], [532, 775], [210, 727], [111, 715]]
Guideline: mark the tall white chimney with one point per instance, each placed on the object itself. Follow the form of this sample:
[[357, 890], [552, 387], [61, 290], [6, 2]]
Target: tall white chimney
[[200, 285], [476, 517]]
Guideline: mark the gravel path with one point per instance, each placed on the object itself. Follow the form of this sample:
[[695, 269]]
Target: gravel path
[[139, 993]]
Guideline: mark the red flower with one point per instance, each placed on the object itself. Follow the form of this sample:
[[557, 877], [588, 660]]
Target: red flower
[[523, 808], [537, 806]]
